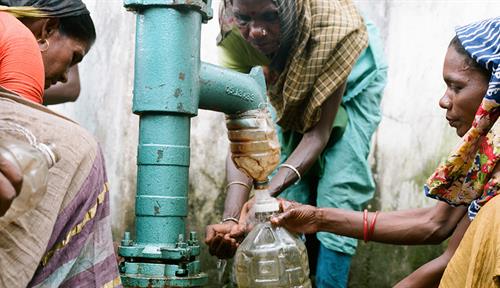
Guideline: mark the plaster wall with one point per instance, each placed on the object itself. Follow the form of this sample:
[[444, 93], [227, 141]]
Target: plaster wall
[[412, 137]]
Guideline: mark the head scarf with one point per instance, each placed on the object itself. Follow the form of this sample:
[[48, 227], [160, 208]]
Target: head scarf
[[43, 8], [465, 177], [330, 36], [287, 12], [320, 41]]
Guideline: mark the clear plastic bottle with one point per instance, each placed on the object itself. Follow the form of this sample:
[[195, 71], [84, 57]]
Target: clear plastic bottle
[[34, 163], [255, 148], [271, 256]]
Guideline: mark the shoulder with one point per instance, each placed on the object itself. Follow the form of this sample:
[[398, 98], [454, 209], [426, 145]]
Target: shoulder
[[12, 28], [48, 127]]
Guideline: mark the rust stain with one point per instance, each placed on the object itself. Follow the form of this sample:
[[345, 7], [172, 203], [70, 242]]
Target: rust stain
[[157, 208], [159, 153], [178, 92]]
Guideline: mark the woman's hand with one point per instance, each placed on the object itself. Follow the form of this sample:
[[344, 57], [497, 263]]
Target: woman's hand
[[223, 239], [11, 181], [297, 218]]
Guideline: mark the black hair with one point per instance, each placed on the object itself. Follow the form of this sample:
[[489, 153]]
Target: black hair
[[80, 27], [455, 43]]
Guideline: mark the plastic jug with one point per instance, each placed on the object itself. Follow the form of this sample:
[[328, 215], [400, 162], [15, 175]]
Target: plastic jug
[[34, 163], [255, 148], [271, 256]]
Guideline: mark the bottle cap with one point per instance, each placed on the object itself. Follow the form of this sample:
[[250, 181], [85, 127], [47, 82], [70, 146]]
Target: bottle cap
[[264, 203]]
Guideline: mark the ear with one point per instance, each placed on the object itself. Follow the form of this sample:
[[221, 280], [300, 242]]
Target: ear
[[48, 27]]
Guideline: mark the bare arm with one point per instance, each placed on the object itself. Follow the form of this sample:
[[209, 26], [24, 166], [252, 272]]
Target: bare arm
[[429, 275], [64, 92], [236, 195], [409, 227], [217, 237], [310, 146], [222, 243]]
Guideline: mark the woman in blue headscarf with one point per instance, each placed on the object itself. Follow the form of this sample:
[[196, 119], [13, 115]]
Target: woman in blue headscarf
[[467, 182]]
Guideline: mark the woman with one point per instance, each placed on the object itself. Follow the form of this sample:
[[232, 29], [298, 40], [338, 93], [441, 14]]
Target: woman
[[61, 30], [325, 75], [66, 240], [469, 177], [10, 183], [38, 50]]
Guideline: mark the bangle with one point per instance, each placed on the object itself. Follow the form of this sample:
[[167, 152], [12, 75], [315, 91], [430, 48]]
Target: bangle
[[365, 225], [372, 226], [230, 219], [293, 169], [239, 183]]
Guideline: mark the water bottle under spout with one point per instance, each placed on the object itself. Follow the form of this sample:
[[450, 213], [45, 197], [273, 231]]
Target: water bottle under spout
[[271, 256]]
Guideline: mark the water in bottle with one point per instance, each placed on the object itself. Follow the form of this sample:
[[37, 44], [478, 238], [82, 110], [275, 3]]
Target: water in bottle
[[271, 256]]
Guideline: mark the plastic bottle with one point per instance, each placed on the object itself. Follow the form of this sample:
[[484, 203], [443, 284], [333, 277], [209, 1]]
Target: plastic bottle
[[271, 256], [34, 163], [255, 148]]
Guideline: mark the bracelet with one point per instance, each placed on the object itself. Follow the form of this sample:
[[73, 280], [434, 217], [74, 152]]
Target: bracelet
[[293, 169], [239, 183], [372, 226], [230, 219], [365, 225]]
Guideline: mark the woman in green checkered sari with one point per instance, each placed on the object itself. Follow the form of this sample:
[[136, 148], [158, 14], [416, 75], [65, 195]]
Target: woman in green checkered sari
[[325, 74]]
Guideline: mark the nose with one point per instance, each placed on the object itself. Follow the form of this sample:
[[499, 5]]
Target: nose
[[256, 31], [445, 102]]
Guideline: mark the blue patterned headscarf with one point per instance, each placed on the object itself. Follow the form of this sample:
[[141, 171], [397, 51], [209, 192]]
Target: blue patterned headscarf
[[482, 41], [466, 177]]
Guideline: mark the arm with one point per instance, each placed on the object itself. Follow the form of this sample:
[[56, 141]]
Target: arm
[[223, 244], [64, 92], [408, 227], [429, 275], [10, 184], [218, 239], [311, 145]]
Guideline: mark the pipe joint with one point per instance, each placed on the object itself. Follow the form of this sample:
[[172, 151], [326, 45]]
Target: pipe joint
[[204, 7]]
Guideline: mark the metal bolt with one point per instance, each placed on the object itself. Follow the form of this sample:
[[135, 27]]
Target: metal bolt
[[126, 241]]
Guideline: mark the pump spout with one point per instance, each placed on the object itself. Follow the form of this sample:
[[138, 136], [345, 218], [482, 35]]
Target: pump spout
[[229, 91]]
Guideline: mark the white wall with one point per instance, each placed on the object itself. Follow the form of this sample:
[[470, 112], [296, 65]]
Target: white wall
[[412, 135]]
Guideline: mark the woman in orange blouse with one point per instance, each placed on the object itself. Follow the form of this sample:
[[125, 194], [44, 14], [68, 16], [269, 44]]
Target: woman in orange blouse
[[38, 48]]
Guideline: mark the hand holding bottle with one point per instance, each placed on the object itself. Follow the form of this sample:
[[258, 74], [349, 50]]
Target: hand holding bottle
[[223, 239], [31, 163], [297, 218], [11, 180]]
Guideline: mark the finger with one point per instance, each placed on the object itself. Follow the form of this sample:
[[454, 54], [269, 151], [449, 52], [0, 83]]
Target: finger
[[209, 234], [12, 173], [243, 214], [278, 220], [7, 190], [212, 248], [227, 248]]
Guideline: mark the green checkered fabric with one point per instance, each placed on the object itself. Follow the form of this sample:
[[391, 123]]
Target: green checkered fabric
[[331, 35]]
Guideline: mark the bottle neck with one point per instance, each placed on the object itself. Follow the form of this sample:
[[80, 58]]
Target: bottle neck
[[260, 185], [48, 151]]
